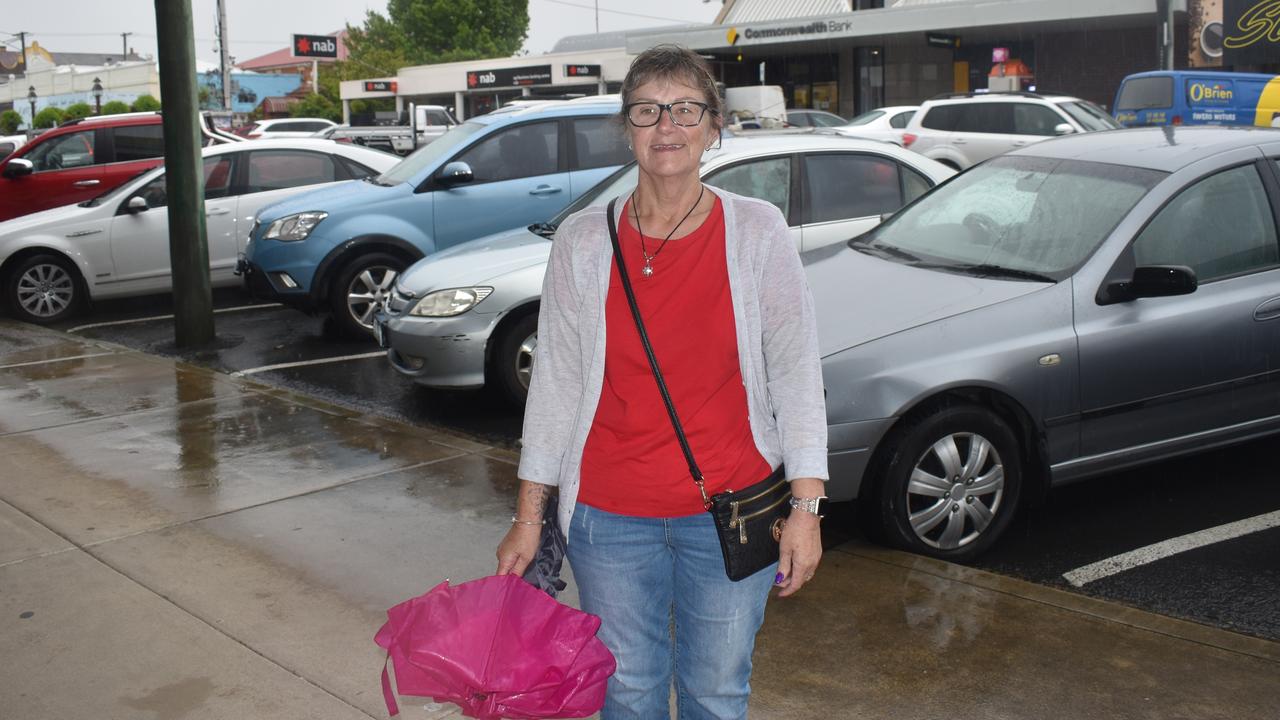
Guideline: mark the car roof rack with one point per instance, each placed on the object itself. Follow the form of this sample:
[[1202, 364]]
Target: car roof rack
[[104, 118], [982, 93]]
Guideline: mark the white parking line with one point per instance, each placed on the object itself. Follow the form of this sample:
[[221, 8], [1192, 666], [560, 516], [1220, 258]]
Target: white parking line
[[300, 363], [1151, 553], [241, 308], [54, 360]]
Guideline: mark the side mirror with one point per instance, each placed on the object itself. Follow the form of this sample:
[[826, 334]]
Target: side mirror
[[455, 173], [1152, 281], [136, 204], [18, 167], [1063, 129]]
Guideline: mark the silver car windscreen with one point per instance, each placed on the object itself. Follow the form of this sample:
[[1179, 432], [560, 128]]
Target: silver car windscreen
[[1026, 214]]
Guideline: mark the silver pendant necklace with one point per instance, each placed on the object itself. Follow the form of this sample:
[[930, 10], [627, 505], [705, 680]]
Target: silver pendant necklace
[[647, 270]]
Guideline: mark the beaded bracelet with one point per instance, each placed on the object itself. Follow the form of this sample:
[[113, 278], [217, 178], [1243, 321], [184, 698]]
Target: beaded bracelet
[[516, 521]]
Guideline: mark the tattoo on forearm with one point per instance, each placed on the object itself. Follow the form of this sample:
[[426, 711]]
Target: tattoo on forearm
[[535, 498]]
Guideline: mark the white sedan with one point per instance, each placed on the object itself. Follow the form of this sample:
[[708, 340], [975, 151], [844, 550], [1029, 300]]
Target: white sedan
[[117, 245], [884, 124]]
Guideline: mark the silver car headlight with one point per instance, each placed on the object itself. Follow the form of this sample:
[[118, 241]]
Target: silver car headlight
[[447, 303], [292, 228]]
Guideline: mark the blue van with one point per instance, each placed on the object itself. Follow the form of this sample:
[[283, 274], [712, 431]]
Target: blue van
[[1189, 97], [338, 250]]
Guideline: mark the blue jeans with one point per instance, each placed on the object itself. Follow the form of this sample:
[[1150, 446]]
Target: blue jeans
[[649, 579]]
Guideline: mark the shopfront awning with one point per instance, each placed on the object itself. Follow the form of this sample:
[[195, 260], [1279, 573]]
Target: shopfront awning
[[905, 18]]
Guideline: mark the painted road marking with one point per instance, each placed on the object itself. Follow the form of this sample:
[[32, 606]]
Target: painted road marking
[[1151, 553], [54, 360], [241, 308], [301, 363]]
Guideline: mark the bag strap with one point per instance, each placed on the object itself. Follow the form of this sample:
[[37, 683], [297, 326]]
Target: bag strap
[[653, 360]]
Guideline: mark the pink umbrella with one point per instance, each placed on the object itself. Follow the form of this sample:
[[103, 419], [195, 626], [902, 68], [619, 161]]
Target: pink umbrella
[[499, 648]]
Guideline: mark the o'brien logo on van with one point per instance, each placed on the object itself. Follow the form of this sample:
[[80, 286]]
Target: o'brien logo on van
[[1207, 93]]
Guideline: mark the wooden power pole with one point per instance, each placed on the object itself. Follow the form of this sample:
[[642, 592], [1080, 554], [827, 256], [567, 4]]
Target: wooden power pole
[[184, 176]]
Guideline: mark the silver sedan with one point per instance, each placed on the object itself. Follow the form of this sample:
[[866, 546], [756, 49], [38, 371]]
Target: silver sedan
[[1080, 306], [467, 317]]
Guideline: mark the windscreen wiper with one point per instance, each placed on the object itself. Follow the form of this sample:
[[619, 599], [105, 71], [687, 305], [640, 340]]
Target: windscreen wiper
[[999, 271]]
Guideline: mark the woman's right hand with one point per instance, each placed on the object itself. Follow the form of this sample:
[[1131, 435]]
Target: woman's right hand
[[517, 549]]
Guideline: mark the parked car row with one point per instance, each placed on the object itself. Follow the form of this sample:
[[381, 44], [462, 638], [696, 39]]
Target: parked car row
[[339, 251], [1073, 303], [117, 244], [1068, 309], [466, 317]]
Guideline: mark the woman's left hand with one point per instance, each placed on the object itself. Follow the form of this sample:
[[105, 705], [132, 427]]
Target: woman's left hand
[[799, 552]]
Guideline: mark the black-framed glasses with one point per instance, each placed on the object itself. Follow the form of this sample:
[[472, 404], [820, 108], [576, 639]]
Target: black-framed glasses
[[685, 113]]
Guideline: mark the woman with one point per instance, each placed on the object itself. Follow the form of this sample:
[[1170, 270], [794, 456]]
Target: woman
[[720, 286]]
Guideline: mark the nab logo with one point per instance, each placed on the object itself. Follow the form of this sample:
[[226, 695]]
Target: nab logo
[[314, 46], [475, 79]]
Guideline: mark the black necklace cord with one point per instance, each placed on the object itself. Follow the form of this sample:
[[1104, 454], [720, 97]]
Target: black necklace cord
[[636, 214]]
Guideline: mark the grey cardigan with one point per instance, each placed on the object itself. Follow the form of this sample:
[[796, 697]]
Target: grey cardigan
[[777, 346]]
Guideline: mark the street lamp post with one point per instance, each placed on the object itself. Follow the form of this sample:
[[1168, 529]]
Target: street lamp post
[[97, 96], [31, 98]]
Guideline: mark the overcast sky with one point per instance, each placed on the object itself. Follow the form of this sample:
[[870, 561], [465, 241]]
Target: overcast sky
[[257, 27]]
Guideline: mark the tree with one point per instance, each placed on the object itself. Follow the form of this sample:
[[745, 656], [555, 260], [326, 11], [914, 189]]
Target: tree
[[115, 107], [316, 105], [78, 110], [145, 103], [422, 32], [48, 117], [10, 121]]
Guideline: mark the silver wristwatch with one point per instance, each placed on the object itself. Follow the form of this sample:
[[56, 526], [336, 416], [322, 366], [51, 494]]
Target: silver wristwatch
[[812, 505]]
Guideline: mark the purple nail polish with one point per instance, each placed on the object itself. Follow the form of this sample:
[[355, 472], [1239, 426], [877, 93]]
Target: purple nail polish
[[777, 579]]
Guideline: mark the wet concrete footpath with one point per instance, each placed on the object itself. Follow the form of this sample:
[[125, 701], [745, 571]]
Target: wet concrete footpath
[[177, 543]]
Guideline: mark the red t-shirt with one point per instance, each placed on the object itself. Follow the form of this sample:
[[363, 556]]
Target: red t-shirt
[[632, 464]]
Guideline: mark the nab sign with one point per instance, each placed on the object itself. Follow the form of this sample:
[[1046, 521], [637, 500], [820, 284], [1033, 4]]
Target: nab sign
[[315, 46]]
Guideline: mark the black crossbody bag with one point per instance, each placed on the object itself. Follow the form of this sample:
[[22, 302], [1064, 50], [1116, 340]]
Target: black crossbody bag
[[748, 521]]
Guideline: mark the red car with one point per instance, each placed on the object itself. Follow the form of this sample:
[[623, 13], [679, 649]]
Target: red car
[[78, 161]]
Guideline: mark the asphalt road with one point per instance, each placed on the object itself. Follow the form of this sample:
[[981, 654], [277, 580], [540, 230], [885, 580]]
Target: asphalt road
[[1206, 529]]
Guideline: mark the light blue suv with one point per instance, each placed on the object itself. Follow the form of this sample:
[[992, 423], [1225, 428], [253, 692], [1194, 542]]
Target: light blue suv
[[339, 250]]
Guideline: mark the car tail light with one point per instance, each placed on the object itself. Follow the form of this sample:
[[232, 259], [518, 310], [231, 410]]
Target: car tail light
[[908, 138], [343, 139], [1177, 119]]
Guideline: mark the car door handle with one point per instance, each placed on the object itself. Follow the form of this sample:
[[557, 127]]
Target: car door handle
[[544, 190], [218, 211], [1268, 310], [85, 183], [959, 141]]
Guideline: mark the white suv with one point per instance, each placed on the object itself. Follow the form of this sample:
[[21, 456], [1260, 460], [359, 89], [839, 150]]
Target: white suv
[[963, 129]]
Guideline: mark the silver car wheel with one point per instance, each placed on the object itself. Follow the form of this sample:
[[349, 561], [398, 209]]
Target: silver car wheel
[[524, 359], [368, 291], [45, 290], [955, 490]]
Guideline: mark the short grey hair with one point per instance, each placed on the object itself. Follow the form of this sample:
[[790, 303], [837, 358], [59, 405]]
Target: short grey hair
[[674, 62]]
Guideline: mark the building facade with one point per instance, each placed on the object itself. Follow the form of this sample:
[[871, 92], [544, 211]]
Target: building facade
[[850, 56]]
